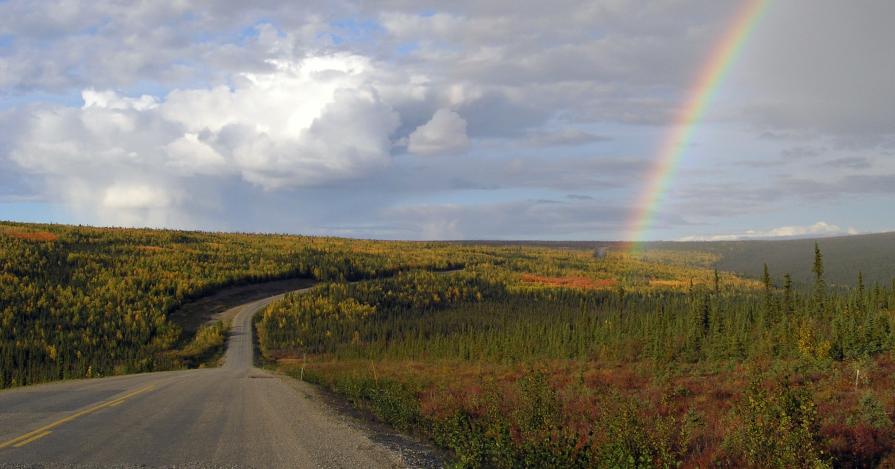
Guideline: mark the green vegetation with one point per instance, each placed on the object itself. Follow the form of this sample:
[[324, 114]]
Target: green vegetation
[[510, 368], [207, 346], [462, 315]]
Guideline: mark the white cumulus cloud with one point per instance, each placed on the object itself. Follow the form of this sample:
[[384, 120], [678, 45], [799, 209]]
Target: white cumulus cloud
[[818, 229], [444, 133], [307, 123]]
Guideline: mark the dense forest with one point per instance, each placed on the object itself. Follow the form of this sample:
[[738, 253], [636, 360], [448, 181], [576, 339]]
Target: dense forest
[[545, 360], [86, 302]]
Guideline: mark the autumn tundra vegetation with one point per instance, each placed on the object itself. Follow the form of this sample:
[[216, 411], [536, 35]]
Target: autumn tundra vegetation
[[504, 355]]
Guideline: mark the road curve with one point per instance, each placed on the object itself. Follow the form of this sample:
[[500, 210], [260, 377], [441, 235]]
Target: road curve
[[233, 416]]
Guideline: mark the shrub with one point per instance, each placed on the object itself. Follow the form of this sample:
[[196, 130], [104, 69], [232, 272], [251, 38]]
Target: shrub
[[871, 412], [776, 430]]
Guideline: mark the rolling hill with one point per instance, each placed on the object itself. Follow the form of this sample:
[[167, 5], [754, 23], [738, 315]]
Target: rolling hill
[[844, 256]]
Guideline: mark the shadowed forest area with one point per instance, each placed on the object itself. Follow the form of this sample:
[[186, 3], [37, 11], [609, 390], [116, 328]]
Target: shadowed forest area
[[871, 254]]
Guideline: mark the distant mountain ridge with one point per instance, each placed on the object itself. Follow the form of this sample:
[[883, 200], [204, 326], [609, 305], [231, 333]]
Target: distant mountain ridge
[[844, 256]]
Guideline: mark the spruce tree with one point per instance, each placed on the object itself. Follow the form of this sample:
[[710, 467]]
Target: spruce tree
[[766, 280], [820, 285], [704, 316], [879, 300], [859, 299], [788, 307]]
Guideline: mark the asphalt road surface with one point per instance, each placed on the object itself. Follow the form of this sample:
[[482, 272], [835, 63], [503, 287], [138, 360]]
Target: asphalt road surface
[[233, 416]]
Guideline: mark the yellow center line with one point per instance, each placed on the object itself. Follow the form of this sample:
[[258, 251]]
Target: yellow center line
[[43, 431], [29, 440]]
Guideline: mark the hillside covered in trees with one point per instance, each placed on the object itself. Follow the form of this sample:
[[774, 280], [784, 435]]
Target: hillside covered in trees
[[83, 302]]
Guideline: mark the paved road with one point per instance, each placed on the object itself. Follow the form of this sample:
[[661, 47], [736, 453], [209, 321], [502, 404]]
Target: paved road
[[232, 416]]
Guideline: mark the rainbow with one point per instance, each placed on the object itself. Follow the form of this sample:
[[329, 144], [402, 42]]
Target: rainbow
[[701, 93]]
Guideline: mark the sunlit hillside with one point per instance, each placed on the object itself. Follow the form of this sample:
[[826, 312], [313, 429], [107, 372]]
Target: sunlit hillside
[[81, 301]]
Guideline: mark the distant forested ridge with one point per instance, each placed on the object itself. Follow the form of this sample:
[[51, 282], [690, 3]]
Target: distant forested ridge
[[871, 254], [844, 256]]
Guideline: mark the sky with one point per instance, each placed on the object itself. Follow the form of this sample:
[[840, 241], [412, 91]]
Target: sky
[[445, 120]]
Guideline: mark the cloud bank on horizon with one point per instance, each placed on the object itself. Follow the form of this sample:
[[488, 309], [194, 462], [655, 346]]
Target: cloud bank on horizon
[[818, 230], [425, 121]]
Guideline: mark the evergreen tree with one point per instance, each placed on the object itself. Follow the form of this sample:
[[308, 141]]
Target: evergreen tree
[[768, 300], [879, 300], [788, 307], [859, 295], [820, 285], [704, 316]]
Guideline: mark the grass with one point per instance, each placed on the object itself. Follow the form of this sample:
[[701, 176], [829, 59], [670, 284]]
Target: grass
[[207, 347]]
